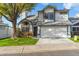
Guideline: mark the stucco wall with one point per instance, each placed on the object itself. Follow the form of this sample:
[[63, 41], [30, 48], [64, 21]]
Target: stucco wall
[[58, 16], [49, 10], [54, 31], [40, 16], [61, 17], [5, 32]]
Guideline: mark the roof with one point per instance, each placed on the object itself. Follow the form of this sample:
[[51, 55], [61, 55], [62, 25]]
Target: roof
[[29, 18], [57, 23], [1, 23], [60, 11], [47, 7], [74, 20]]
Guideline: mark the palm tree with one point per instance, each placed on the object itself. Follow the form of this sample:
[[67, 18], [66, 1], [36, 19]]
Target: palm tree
[[12, 11]]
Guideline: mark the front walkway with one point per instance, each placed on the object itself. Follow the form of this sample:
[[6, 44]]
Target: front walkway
[[64, 48]]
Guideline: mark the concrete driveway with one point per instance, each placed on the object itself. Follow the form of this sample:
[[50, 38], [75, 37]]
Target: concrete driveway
[[61, 48], [54, 41]]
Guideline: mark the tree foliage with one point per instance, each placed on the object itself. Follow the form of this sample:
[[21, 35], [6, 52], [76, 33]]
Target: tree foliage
[[12, 11]]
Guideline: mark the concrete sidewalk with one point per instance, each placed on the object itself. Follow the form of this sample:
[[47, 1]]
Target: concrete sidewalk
[[43, 48], [39, 50]]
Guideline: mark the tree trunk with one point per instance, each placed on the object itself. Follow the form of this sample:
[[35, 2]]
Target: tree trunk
[[14, 30]]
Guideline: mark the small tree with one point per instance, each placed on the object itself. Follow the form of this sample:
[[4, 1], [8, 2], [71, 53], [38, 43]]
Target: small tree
[[12, 11]]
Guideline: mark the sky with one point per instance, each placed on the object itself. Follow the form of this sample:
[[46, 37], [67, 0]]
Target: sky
[[73, 9]]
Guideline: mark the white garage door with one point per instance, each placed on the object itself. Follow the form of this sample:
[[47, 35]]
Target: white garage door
[[54, 31]]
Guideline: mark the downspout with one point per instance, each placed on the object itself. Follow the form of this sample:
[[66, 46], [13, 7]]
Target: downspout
[[43, 16], [40, 31], [54, 15], [68, 20], [67, 30], [70, 25], [71, 31]]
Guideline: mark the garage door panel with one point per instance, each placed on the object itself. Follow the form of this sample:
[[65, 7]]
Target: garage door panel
[[55, 31]]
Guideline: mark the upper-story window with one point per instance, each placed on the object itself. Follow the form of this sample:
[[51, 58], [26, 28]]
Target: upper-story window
[[49, 16]]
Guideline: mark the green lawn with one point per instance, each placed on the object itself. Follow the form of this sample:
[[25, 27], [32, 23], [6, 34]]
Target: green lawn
[[75, 40], [18, 41]]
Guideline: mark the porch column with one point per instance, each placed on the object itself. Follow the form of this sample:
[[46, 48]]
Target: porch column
[[30, 28], [38, 32], [68, 31]]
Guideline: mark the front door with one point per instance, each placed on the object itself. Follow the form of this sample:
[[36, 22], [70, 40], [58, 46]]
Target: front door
[[35, 31]]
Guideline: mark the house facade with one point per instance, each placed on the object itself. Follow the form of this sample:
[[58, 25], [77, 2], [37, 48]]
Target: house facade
[[75, 26], [4, 29], [50, 23]]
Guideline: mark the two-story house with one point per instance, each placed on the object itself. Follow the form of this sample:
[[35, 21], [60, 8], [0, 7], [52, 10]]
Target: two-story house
[[51, 23]]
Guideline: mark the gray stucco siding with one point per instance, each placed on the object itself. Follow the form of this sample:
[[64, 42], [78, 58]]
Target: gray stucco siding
[[5, 31], [54, 31]]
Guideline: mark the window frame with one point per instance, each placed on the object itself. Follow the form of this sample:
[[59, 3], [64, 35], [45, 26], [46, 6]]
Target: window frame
[[76, 29], [49, 15]]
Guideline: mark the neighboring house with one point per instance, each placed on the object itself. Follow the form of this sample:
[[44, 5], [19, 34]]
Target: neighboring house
[[75, 25], [4, 29], [49, 23]]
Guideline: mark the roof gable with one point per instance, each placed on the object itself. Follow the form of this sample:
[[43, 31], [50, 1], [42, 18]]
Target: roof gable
[[74, 20], [52, 7], [49, 7], [76, 23], [64, 11]]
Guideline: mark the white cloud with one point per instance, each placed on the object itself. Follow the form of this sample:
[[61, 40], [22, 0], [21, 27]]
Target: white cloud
[[69, 5], [45, 4]]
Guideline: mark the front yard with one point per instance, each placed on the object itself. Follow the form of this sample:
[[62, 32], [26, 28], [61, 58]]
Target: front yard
[[18, 41], [74, 38]]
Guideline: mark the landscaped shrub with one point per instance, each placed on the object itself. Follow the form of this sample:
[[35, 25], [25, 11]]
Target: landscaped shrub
[[19, 33], [75, 38], [24, 34], [28, 34]]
